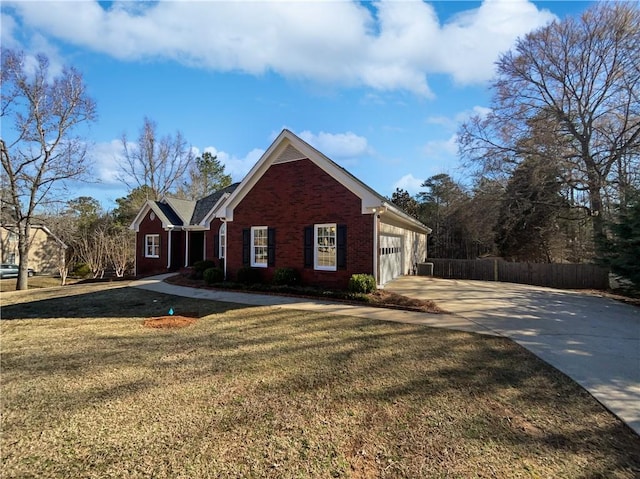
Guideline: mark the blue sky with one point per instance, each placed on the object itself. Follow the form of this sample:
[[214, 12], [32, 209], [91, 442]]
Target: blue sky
[[379, 87]]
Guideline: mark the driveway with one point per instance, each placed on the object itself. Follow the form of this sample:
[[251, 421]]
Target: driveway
[[594, 340]]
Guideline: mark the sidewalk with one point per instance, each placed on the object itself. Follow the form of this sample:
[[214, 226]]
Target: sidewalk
[[445, 321]]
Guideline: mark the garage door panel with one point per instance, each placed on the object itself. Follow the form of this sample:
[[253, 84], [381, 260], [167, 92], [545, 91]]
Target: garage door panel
[[390, 257]]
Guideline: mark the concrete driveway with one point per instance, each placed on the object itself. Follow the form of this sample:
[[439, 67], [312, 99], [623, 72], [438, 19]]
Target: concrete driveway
[[594, 340]]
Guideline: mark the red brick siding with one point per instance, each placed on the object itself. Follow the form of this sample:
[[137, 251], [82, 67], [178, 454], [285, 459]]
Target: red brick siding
[[211, 241], [290, 196], [146, 266]]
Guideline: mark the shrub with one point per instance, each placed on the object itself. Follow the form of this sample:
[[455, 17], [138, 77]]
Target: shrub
[[81, 270], [213, 275], [199, 267], [247, 275], [362, 283], [286, 277]]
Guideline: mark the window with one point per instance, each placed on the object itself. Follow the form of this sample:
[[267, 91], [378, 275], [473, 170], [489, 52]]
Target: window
[[259, 246], [325, 247], [152, 246], [222, 240]]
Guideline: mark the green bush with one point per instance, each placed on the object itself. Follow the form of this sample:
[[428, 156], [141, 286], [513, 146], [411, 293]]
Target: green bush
[[199, 267], [247, 275], [81, 270], [213, 275], [362, 283], [286, 277]]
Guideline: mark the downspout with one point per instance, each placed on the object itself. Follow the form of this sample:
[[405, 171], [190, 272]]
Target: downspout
[[226, 252], [376, 273], [186, 248], [169, 248]]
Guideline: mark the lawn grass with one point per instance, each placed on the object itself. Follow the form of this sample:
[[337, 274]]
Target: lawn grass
[[87, 391], [33, 282]]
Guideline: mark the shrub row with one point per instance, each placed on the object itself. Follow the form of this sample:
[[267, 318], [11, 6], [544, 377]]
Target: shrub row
[[282, 277]]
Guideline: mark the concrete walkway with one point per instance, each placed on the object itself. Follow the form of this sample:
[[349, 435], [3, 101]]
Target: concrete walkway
[[446, 321], [595, 341]]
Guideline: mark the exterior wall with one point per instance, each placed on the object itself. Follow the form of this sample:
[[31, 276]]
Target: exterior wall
[[414, 243], [148, 266], [211, 241], [45, 252], [290, 196]]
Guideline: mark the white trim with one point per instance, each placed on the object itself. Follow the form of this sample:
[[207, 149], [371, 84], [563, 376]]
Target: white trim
[[225, 248], [376, 273], [369, 199], [146, 245], [186, 249], [335, 247], [252, 261], [151, 206], [169, 249], [211, 215], [222, 245]]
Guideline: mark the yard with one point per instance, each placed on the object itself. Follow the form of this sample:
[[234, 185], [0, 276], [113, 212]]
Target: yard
[[88, 391]]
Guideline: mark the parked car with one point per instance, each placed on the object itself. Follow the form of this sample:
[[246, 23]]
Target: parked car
[[8, 270]]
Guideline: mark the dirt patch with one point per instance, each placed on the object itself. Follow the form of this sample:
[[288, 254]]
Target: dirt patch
[[174, 321]]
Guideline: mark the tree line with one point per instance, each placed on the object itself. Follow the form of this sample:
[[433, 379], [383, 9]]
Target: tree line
[[553, 169], [556, 162]]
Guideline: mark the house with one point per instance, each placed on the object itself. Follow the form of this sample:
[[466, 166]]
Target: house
[[296, 208], [46, 252]]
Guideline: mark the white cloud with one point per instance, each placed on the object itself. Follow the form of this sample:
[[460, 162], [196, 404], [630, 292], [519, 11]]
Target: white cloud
[[409, 183], [106, 158], [385, 45], [337, 145], [235, 166], [439, 149], [452, 123]]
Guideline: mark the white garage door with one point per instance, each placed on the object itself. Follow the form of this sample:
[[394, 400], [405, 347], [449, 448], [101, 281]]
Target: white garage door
[[390, 258]]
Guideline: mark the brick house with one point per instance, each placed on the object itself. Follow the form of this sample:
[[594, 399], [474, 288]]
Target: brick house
[[296, 208]]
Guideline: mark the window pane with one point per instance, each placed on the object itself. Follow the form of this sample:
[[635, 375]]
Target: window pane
[[326, 246], [259, 246]]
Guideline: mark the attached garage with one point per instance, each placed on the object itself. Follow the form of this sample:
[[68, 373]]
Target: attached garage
[[402, 243], [391, 254]]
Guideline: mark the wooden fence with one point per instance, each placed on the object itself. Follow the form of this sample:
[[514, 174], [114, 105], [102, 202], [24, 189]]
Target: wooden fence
[[554, 275]]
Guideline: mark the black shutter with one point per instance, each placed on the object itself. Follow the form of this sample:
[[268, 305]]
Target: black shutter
[[308, 246], [246, 245], [271, 247], [341, 247], [216, 245]]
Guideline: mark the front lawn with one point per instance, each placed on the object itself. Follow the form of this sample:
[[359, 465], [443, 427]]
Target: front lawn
[[88, 391]]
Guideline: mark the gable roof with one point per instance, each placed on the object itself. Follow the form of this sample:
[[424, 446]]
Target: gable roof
[[205, 205], [184, 214], [289, 147]]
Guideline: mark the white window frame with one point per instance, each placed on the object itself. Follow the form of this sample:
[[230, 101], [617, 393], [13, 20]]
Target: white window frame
[[264, 235], [222, 240], [318, 254], [151, 246]]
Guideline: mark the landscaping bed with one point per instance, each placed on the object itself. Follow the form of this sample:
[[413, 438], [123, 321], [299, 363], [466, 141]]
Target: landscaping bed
[[379, 298]]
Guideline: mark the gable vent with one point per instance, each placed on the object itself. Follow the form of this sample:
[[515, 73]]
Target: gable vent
[[289, 154]]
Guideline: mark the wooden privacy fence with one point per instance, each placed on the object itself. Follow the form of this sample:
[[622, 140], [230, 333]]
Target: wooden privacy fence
[[554, 275]]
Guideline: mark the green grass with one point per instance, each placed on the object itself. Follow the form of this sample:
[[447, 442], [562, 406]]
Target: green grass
[[88, 392]]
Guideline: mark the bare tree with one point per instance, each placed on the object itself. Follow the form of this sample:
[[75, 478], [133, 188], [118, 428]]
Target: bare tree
[[120, 250], [157, 163], [39, 153], [92, 249], [576, 81]]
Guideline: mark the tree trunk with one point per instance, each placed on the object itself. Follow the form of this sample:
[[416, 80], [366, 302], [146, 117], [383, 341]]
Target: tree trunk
[[24, 243]]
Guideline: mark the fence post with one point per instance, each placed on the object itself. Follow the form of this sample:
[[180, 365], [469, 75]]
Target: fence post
[[495, 270]]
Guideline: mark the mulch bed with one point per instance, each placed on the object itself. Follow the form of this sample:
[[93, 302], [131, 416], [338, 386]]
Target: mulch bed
[[171, 321]]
